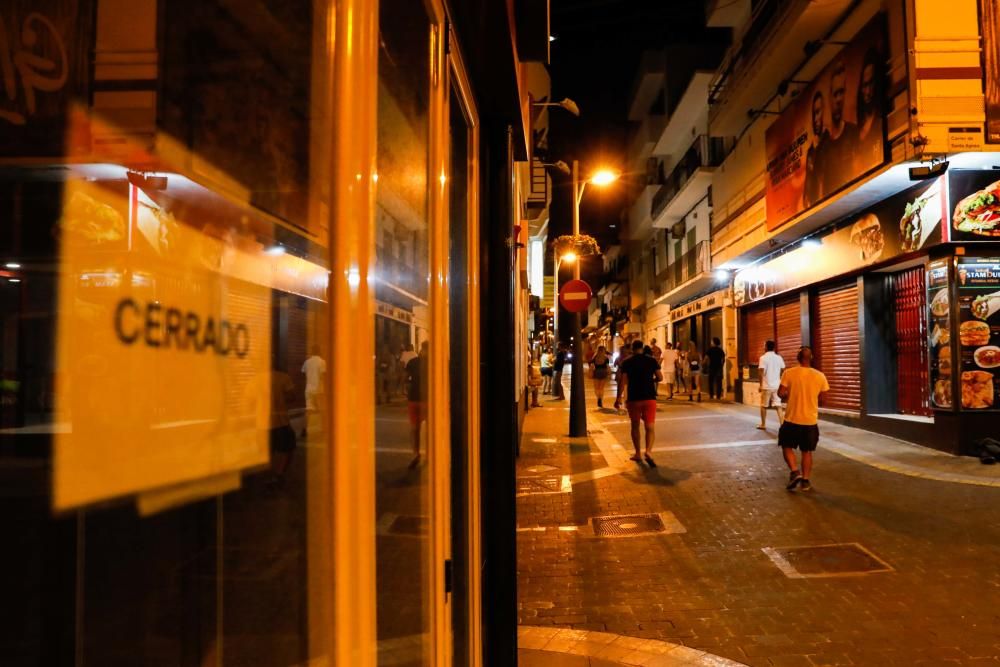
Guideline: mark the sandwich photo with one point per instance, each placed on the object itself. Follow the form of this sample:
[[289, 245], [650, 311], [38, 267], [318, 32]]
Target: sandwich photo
[[939, 304], [867, 235], [974, 334], [942, 393], [910, 228], [984, 306], [977, 389], [979, 213]]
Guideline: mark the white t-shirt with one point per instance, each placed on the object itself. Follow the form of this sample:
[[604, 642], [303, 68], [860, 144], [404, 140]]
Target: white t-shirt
[[772, 364], [669, 359], [406, 357], [313, 367]]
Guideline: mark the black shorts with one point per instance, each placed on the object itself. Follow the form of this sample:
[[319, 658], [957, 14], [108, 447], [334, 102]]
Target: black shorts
[[282, 439], [797, 436], [547, 371]]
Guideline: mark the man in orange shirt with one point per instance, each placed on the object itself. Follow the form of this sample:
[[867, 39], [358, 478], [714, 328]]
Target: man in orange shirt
[[801, 388]]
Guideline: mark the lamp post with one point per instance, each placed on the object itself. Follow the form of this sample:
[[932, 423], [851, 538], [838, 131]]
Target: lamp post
[[570, 257], [577, 399]]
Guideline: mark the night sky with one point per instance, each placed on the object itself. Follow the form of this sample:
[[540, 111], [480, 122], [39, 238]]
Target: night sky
[[594, 58]]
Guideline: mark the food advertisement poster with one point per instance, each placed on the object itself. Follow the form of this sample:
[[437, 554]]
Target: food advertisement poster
[[989, 14], [939, 347], [832, 133], [904, 223], [974, 205], [979, 331]]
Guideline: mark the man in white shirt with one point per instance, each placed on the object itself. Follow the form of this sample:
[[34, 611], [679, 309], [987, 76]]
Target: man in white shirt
[[771, 365], [668, 367], [314, 367]]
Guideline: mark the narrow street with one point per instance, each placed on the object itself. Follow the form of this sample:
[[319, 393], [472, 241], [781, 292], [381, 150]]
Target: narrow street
[[915, 582]]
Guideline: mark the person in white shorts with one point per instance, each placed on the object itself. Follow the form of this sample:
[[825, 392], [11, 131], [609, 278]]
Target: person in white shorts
[[771, 365], [314, 368], [669, 368]]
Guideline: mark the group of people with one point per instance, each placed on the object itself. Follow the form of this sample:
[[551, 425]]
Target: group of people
[[678, 367], [640, 371]]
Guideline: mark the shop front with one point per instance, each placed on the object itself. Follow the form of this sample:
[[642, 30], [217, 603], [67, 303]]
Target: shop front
[[695, 324], [878, 296]]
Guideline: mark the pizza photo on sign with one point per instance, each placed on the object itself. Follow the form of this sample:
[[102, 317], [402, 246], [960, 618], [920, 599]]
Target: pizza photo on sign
[[979, 213]]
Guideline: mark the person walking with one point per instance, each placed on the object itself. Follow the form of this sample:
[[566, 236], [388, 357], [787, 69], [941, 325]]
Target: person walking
[[557, 373], [669, 368], [801, 388], [546, 368], [313, 368], [716, 369], [694, 365], [640, 373], [600, 368], [682, 368], [770, 367], [657, 352], [416, 395]]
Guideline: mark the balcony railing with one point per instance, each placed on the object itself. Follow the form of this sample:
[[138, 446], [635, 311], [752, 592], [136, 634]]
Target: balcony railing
[[706, 151], [689, 265], [538, 192]]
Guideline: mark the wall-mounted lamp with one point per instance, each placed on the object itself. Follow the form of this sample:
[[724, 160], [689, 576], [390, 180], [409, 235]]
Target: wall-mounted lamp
[[928, 172], [567, 104]]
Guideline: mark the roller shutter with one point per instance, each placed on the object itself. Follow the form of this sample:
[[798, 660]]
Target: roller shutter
[[788, 329], [836, 345], [911, 342], [758, 328]]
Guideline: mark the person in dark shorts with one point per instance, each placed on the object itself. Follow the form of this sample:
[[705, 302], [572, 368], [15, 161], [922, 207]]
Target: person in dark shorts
[[281, 435], [640, 373], [801, 388], [416, 396], [557, 373]]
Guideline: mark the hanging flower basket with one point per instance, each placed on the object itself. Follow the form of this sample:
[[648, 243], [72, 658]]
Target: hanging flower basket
[[582, 244]]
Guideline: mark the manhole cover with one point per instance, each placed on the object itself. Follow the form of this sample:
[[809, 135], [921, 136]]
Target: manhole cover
[[831, 560], [527, 486], [541, 469], [631, 524], [409, 525]]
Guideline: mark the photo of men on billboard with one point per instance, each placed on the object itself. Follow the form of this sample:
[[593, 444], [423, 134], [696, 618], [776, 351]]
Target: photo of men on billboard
[[832, 133]]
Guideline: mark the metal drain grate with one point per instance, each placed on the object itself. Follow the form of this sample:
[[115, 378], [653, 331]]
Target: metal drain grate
[[830, 560], [629, 524], [529, 486], [409, 525]]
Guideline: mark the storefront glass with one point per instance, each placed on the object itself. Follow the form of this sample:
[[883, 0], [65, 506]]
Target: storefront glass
[[164, 450]]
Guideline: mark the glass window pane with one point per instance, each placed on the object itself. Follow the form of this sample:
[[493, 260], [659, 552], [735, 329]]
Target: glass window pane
[[402, 332]]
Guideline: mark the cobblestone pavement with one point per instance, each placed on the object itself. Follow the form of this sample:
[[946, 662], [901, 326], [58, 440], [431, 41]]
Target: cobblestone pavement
[[713, 587]]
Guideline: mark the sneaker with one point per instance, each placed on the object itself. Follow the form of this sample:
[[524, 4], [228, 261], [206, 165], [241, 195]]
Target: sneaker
[[805, 485], [793, 479]]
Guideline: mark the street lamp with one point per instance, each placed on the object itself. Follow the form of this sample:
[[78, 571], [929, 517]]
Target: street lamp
[[570, 258]]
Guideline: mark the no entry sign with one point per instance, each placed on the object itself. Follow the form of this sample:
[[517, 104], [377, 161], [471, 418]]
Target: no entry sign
[[575, 296]]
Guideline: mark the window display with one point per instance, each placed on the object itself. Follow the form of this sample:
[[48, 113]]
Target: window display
[[979, 331], [940, 333]]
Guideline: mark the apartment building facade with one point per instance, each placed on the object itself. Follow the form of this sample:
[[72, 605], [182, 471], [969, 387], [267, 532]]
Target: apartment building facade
[[855, 209]]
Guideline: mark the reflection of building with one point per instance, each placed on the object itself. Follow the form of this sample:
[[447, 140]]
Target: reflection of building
[[844, 268], [215, 203]]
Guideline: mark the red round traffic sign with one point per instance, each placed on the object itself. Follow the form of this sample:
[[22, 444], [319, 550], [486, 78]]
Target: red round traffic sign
[[575, 296]]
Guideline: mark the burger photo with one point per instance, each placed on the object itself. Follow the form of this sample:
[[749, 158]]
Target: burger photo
[[974, 334], [979, 213], [867, 235]]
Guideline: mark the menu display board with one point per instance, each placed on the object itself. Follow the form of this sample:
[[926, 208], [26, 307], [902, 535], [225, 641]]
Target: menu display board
[[939, 347], [979, 331]]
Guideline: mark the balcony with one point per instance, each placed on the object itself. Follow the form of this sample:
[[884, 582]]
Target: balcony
[[768, 52], [688, 276], [687, 183]]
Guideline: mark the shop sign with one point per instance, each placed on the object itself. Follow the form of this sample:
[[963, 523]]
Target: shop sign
[[832, 133], [961, 139], [393, 312], [989, 13], [979, 332], [939, 344], [548, 292], [709, 302], [163, 375], [974, 205], [45, 55], [904, 223]]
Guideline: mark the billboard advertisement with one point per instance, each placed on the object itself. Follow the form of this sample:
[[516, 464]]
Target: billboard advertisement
[[974, 204], [903, 223], [832, 133], [989, 11]]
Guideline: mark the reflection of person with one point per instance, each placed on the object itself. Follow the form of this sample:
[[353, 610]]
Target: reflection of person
[[600, 365], [405, 356], [770, 366], [314, 368], [813, 189], [416, 395], [843, 135], [280, 433], [640, 373], [801, 388]]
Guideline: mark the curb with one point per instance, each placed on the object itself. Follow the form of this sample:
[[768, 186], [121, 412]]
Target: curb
[[614, 648]]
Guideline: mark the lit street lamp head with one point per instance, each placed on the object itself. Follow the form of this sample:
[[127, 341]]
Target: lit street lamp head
[[569, 257], [604, 177]]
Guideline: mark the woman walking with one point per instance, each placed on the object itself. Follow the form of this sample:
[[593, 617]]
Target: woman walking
[[546, 364], [600, 368], [681, 366]]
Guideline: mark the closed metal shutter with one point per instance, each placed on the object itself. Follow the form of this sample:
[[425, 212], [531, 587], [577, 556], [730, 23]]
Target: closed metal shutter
[[788, 329], [911, 342], [758, 327], [837, 345]]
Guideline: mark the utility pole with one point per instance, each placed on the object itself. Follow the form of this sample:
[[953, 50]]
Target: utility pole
[[577, 400]]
